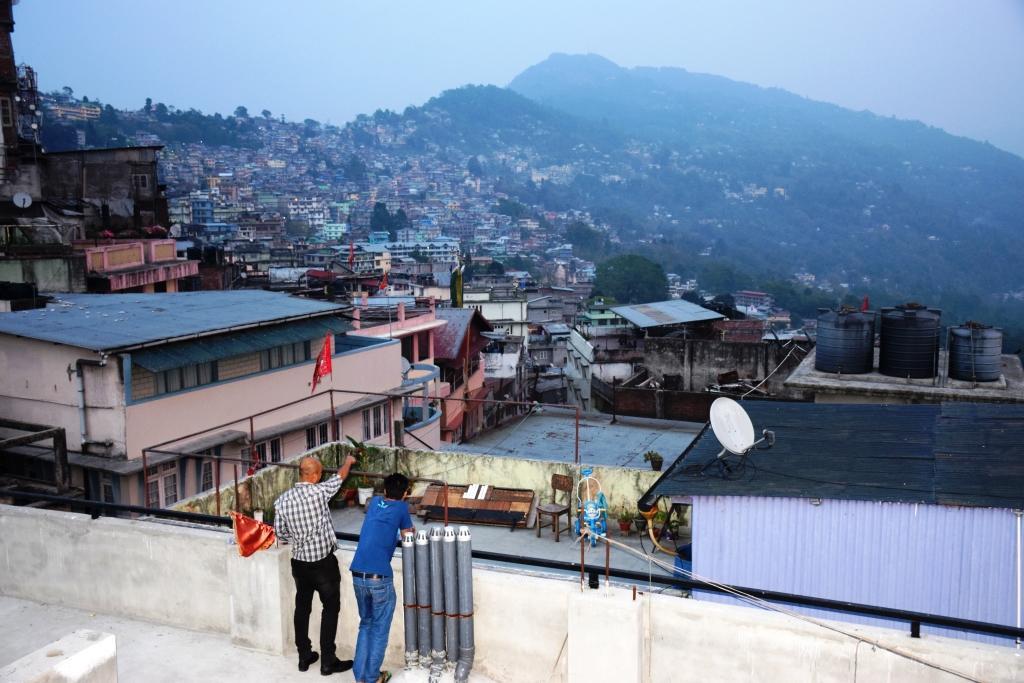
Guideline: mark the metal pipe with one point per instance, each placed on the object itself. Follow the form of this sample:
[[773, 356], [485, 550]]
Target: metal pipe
[[451, 594], [80, 363], [409, 598], [467, 648], [437, 651], [1020, 587], [145, 483], [423, 597]]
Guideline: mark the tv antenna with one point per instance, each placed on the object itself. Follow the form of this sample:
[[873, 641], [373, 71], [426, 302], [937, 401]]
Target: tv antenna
[[734, 430]]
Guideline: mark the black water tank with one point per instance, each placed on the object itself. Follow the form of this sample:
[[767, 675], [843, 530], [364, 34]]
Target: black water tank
[[975, 352], [909, 343], [846, 341]]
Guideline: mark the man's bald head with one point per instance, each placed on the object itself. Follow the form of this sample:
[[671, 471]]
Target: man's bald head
[[310, 469]]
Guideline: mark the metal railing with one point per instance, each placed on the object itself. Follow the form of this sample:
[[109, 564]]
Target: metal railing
[[913, 619]]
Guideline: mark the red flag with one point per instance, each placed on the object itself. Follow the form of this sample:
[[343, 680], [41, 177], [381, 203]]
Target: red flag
[[251, 535], [864, 304], [351, 254], [384, 282], [323, 363]]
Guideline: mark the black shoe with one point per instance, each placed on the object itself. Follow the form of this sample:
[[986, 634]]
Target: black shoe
[[335, 667], [304, 662]]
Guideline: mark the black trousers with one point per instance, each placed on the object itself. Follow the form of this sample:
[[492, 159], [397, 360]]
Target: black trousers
[[323, 577]]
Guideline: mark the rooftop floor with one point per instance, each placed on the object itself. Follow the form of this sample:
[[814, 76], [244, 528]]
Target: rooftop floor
[[551, 434], [879, 388], [161, 654], [524, 543]]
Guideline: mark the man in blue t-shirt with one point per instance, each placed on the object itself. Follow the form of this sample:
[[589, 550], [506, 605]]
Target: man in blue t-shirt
[[372, 578]]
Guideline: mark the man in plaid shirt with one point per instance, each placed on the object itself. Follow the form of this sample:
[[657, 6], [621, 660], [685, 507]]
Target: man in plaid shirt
[[303, 520]]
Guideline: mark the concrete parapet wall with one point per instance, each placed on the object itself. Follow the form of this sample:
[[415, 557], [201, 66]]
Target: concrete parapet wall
[[156, 572], [80, 657], [529, 627]]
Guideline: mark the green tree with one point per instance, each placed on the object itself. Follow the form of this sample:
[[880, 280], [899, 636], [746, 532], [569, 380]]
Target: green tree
[[381, 219], [511, 208], [149, 105], [631, 279], [241, 112], [266, 114], [474, 167], [162, 114], [587, 243]]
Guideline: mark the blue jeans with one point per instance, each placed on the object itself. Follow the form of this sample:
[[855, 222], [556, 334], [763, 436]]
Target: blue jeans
[[376, 600]]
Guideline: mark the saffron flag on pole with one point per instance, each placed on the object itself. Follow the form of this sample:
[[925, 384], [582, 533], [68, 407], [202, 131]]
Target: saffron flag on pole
[[384, 282], [251, 534], [865, 304], [323, 363]]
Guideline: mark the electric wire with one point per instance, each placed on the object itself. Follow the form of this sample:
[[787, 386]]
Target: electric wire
[[764, 604], [781, 363]]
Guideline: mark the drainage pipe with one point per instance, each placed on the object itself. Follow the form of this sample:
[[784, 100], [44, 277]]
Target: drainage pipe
[[409, 598], [467, 649], [451, 595], [80, 364], [423, 597], [437, 653], [1020, 586]]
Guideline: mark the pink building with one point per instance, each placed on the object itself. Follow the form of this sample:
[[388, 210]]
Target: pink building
[[134, 265], [165, 395]]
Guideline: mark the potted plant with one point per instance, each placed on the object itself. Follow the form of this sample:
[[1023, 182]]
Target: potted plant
[[654, 457], [625, 517]]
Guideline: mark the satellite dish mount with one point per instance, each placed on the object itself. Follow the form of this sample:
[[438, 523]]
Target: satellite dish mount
[[734, 430]]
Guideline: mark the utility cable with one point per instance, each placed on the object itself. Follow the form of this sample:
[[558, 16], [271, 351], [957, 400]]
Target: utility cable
[[764, 604], [768, 376]]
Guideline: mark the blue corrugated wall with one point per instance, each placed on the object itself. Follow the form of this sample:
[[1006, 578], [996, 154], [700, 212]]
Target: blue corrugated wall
[[952, 561]]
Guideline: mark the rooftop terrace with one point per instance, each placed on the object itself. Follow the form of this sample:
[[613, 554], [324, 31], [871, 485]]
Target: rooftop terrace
[[551, 435]]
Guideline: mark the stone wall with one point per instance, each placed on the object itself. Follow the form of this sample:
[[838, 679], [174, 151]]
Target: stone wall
[[622, 486]]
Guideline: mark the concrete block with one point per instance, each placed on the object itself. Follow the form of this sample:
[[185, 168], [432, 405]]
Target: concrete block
[[262, 599], [81, 657], [606, 637]]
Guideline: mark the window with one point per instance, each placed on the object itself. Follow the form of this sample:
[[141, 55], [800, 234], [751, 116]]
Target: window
[[162, 484], [6, 113], [107, 488], [140, 181], [280, 356], [275, 450], [206, 478], [378, 413], [261, 452], [317, 435], [366, 425], [185, 377], [387, 417], [170, 489]]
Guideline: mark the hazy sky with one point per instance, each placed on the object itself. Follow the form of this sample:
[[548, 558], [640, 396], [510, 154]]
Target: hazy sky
[[956, 64]]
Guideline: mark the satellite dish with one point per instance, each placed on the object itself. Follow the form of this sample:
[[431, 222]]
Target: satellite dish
[[406, 367], [732, 426], [22, 200]]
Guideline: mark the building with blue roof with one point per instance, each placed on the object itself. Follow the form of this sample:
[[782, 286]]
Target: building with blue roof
[[163, 396]]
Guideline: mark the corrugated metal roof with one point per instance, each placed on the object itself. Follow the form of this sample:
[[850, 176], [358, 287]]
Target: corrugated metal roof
[[448, 340], [206, 349], [672, 312], [953, 454], [105, 322], [952, 561]]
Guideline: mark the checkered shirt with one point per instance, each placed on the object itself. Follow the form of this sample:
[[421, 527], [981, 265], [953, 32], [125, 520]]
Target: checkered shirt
[[302, 519]]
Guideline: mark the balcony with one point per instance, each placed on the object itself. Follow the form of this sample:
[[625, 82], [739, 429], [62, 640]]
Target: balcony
[[420, 374]]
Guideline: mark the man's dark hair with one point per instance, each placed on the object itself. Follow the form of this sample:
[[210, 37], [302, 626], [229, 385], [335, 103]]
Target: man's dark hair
[[395, 486]]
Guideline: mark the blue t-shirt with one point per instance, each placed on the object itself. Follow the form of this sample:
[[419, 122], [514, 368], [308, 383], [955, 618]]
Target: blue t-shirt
[[377, 538]]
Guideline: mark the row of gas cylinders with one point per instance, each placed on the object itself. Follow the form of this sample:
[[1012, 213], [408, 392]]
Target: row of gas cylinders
[[908, 344]]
